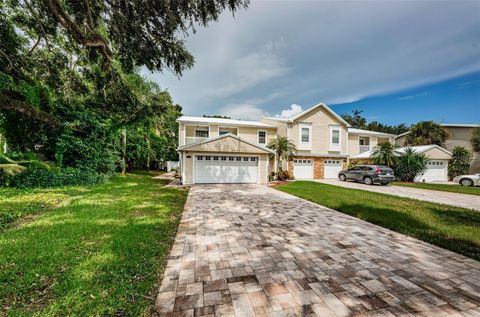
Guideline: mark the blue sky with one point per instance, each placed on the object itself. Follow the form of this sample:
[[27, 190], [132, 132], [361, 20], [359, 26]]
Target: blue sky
[[398, 61]]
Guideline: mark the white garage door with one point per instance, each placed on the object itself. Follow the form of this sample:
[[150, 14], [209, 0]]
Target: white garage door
[[437, 171], [209, 169], [332, 168], [303, 169]]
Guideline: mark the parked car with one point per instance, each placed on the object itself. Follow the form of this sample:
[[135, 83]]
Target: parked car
[[468, 180], [369, 174]]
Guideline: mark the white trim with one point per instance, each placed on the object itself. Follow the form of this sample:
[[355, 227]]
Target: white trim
[[304, 145], [185, 147], [369, 133], [258, 137], [332, 146], [322, 105], [221, 121]]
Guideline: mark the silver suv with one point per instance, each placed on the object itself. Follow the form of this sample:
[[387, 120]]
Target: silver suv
[[369, 174]]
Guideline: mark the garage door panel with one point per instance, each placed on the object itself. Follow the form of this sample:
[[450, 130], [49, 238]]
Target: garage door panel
[[332, 168], [437, 171], [303, 169], [225, 169]]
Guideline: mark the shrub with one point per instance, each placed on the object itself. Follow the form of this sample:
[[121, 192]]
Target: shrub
[[38, 177], [460, 163], [409, 165], [284, 175]]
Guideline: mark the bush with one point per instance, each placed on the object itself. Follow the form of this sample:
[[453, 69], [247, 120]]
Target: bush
[[409, 165], [284, 175], [38, 177], [460, 163]]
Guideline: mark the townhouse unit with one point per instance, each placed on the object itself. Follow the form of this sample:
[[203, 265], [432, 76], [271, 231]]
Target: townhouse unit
[[218, 150]]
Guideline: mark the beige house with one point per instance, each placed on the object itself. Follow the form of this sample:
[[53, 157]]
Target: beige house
[[217, 150], [458, 135]]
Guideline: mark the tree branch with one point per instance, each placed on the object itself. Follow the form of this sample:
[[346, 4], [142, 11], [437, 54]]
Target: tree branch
[[92, 40], [21, 107]]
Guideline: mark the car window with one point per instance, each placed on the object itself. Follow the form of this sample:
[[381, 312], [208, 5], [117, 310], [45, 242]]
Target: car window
[[356, 168]]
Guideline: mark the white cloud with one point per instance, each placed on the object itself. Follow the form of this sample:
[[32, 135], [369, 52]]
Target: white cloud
[[242, 111], [292, 111], [327, 51], [409, 97]]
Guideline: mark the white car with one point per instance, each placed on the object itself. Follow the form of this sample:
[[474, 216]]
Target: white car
[[468, 180]]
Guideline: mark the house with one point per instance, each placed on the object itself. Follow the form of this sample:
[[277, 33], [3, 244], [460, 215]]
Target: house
[[458, 135], [218, 150], [437, 161]]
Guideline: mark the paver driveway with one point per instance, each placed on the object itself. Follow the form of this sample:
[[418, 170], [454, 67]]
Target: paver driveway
[[434, 196], [253, 251]]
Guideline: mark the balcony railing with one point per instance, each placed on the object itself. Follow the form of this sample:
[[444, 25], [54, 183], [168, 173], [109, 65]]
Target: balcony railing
[[194, 139], [364, 148]]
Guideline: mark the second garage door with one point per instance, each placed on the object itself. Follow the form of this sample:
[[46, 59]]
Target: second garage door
[[211, 169], [303, 169], [437, 171], [332, 168]]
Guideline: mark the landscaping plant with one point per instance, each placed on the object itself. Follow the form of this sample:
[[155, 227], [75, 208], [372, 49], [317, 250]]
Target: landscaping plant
[[385, 154], [426, 133], [460, 162], [284, 149], [409, 165]]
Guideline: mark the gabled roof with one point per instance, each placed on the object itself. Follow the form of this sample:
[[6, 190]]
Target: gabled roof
[[223, 136], [417, 149], [223, 121], [368, 132], [320, 105]]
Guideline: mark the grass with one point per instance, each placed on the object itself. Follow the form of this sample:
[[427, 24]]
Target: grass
[[86, 251], [443, 187], [452, 228]]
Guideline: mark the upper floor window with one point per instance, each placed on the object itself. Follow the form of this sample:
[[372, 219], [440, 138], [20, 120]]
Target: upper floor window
[[305, 136], [335, 138], [201, 133], [262, 137]]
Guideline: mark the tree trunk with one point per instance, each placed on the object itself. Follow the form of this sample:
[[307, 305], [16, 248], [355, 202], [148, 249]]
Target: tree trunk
[[147, 139], [123, 162]]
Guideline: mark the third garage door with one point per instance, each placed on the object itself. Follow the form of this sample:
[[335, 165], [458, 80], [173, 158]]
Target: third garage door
[[332, 168]]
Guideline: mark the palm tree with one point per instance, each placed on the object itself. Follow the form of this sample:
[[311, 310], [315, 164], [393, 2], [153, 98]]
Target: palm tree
[[385, 154], [410, 164], [475, 140], [425, 133], [284, 150]]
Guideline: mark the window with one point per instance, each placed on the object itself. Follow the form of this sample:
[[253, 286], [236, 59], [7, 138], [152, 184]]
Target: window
[[262, 137], [305, 135], [253, 159], [207, 158], [335, 136], [222, 132], [224, 158], [201, 133], [215, 158], [231, 158], [239, 158], [245, 158], [199, 158]]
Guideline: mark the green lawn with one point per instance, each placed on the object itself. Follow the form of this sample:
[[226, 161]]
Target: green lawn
[[86, 251], [453, 228], [443, 187]]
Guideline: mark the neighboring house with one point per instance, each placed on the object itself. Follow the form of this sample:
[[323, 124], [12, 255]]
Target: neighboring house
[[437, 161], [360, 141], [458, 135]]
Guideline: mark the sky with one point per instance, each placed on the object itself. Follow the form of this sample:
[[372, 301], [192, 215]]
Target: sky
[[398, 61]]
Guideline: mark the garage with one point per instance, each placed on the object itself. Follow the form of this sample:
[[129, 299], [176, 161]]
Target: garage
[[437, 171], [332, 168], [303, 169], [225, 169]]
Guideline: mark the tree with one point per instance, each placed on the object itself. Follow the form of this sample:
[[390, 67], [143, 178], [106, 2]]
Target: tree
[[460, 162], [426, 133], [385, 154], [284, 149], [475, 139], [355, 119], [409, 165]]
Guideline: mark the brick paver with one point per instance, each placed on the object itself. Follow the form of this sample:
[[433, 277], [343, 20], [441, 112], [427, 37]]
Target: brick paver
[[247, 250]]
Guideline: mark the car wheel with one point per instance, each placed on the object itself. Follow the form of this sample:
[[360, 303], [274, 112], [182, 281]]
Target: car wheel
[[368, 180], [466, 182], [342, 177]]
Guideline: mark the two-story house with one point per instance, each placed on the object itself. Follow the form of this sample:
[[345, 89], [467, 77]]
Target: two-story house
[[457, 135], [217, 150]]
